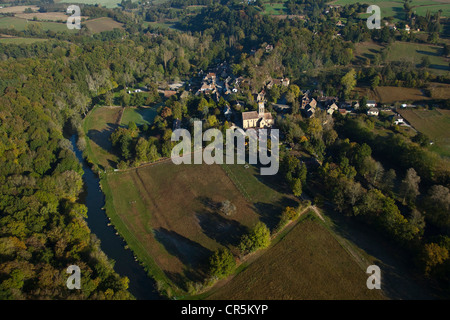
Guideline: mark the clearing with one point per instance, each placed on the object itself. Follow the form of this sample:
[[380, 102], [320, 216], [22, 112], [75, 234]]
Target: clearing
[[98, 126], [139, 115], [434, 123]]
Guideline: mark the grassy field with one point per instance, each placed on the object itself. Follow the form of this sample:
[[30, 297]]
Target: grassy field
[[140, 116], [268, 196], [275, 8], [307, 264], [414, 52], [435, 124], [390, 95], [366, 50], [102, 24], [161, 24], [394, 8], [13, 40], [44, 16], [98, 126], [104, 3], [170, 214], [18, 9], [21, 24], [406, 51]]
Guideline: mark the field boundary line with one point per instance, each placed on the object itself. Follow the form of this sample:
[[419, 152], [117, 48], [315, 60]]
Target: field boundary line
[[236, 182]]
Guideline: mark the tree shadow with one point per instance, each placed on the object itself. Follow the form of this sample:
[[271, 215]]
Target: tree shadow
[[399, 279], [224, 231], [101, 138], [368, 55], [209, 203], [190, 253], [430, 53], [276, 181], [270, 213], [112, 164], [399, 13], [438, 67]]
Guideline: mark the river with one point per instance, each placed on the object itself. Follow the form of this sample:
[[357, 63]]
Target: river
[[141, 286]]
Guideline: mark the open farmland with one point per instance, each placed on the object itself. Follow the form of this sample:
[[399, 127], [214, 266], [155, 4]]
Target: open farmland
[[102, 24], [18, 9], [434, 123], [405, 51], [45, 16], [308, 263], [20, 24], [390, 95], [414, 52], [169, 216], [104, 3], [394, 8]]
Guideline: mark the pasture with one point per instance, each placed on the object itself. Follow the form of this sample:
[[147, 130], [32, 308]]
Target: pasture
[[405, 51], [102, 24], [104, 3], [434, 123], [20, 24], [140, 116], [414, 52], [45, 16], [394, 8], [18, 9], [169, 215], [268, 194], [391, 95], [307, 264]]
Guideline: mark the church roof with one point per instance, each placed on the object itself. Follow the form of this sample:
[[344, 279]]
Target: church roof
[[250, 115]]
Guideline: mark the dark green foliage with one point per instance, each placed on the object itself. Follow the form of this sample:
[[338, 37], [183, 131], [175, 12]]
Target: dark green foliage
[[222, 263], [257, 238]]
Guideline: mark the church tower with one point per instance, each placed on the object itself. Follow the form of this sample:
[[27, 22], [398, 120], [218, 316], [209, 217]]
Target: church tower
[[261, 108]]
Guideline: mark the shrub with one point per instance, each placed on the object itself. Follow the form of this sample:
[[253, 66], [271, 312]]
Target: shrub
[[258, 238]]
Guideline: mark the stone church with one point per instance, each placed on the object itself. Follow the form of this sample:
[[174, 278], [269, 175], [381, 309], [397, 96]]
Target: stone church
[[260, 119]]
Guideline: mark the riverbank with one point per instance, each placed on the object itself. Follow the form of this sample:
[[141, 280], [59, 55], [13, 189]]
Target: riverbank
[[141, 286]]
